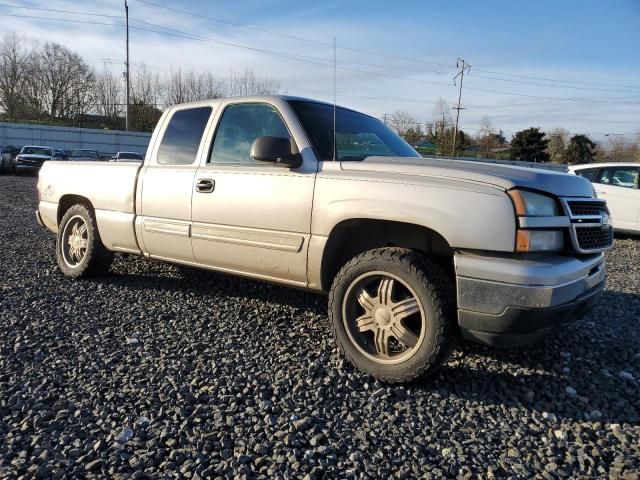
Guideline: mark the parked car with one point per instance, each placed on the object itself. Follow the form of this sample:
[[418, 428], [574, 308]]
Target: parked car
[[31, 158], [60, 155], [127, 157], [8, 154], [618, 184], [410, 250], [84, 155]]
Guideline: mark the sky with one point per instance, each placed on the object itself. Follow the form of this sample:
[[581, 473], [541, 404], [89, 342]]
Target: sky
[[563, 63]]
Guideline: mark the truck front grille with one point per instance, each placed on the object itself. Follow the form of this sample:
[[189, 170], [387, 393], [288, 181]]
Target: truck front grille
[[594, 238], [587, 208], [590, 230]]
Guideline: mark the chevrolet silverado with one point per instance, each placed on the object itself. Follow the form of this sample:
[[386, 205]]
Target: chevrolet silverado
[[412, 252]]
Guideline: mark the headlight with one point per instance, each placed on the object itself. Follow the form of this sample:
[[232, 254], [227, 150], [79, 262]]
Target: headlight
[[529, 204], [539, 240]]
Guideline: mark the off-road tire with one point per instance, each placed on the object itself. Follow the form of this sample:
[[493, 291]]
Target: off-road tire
[[97, 259], [434, 290]]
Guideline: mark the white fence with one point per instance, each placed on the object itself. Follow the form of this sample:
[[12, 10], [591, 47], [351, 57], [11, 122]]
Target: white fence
[[69, 138]]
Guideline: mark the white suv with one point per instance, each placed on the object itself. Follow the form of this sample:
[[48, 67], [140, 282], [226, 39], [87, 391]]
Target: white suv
[[618, 184]]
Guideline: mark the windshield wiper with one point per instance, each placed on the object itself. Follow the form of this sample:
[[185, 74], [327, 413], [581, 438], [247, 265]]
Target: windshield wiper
[[353, 158]]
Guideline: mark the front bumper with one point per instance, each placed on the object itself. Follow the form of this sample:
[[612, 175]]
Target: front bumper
[[507, 302], [20, 168], [39, 219]]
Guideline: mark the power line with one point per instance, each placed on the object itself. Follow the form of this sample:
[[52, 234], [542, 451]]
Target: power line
[[549, 85], [320, 61], [369, 52], [554, 79], [104, 15], [119, 17], [295, 37], [87, 22]]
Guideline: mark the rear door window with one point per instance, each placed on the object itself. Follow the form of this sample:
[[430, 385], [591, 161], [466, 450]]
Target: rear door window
[[588, 173], [182, 137], [626, 177]]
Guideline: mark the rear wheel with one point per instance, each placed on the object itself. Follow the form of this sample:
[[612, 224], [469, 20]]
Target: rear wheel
[[79, 249], [390, 310]]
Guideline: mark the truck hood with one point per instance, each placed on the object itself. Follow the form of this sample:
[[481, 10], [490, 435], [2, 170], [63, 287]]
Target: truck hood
[[502, 176]]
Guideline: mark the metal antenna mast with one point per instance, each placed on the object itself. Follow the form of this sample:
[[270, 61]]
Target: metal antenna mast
[[126, 115], [462, 65]]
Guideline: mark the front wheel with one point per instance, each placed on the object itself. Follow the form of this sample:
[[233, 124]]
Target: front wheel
[[390, 310], [79, 249]]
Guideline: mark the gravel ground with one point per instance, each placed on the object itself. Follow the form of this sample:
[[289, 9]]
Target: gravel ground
[[157, 372]]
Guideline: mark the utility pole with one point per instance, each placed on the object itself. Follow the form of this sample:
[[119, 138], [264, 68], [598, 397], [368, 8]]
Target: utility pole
[[462, 65], [126, 75]]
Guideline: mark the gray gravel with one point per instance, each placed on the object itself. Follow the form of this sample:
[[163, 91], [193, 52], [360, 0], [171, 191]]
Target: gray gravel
[[158, 372]]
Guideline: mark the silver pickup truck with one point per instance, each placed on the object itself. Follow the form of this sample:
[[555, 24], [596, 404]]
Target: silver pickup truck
[[412, 252]]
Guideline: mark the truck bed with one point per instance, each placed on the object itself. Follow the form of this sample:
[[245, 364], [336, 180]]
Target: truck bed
[[109, 187]]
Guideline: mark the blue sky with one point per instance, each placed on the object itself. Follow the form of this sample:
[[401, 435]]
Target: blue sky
[[571, 64]]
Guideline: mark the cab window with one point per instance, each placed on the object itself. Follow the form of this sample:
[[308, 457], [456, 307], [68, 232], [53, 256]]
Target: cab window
[[182, 137], [239, 126]]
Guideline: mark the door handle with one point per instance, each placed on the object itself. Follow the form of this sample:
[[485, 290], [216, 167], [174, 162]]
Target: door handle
[[205, 185]]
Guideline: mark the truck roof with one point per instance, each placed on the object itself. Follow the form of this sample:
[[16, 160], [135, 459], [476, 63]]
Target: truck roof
[[260, 98], [604, 164]]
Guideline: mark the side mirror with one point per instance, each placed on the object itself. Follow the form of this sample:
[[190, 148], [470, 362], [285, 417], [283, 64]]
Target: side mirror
[[276, 150]]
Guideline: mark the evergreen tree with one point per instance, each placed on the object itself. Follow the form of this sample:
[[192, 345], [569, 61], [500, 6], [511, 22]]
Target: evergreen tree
[[500, 138], [529, 145], [581, 149]]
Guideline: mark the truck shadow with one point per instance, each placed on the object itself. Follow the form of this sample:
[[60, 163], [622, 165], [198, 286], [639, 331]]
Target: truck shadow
[[535, 377], [591, 357]]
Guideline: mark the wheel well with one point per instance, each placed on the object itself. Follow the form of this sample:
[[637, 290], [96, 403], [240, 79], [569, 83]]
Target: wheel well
[[68, 201], [352, 237]]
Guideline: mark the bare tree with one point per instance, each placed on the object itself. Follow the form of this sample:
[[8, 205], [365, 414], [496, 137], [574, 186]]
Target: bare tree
[[442, 127], [619, 149], [557, 146], [486, 136], [145, 86], [204, 86], [109, 96], [65, 79], [442, 112], [248, 83], [15, 60], [401, 121], [146, 90], [213, 86], [616, 148], [174, 88], [52, 82]]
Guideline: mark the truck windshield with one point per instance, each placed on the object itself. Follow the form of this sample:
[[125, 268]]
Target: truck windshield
[[358, 136], [36, 151]]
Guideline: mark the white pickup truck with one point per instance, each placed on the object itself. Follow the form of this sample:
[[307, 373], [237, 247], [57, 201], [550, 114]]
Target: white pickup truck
[[411, 251]]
